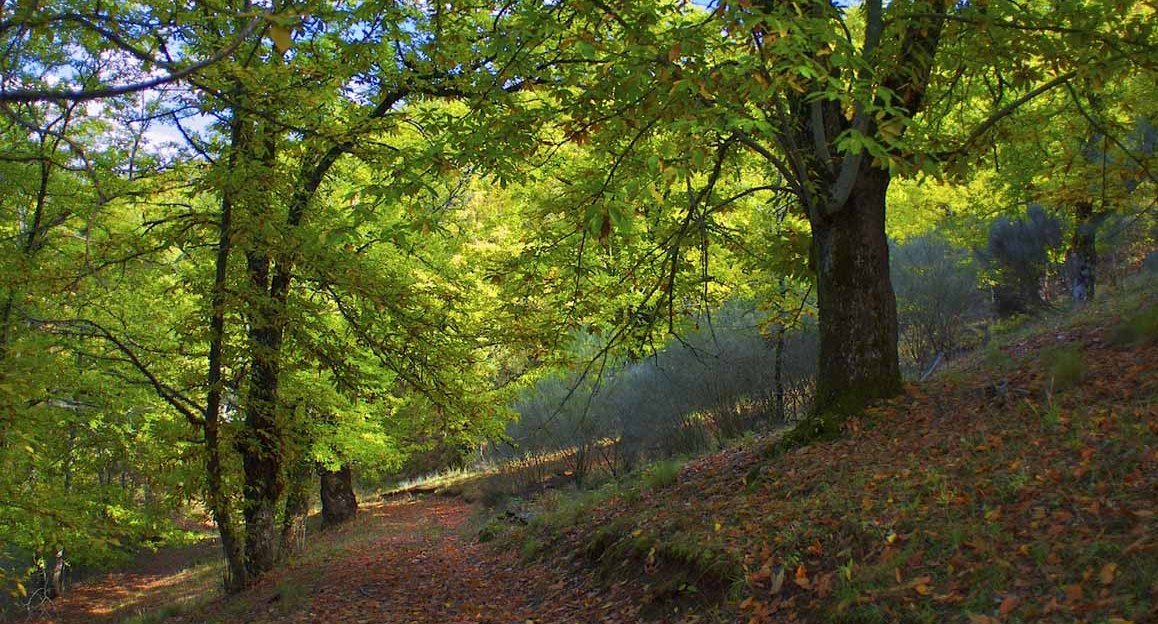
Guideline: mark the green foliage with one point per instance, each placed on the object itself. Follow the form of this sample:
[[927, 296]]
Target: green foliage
[[661, 474], [1064, 367], [1139, 328], [997, 359], [372, 241]]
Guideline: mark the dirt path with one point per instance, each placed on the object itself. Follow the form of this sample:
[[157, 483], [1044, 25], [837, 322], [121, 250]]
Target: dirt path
[[167, 575], [402, 561]]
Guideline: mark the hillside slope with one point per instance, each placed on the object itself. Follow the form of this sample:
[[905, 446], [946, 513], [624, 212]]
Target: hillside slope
[[1020, 488]]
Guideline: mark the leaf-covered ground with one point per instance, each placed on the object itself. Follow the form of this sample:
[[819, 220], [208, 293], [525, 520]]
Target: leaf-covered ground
[[398, 562], [1018, 489], [1020, 486]]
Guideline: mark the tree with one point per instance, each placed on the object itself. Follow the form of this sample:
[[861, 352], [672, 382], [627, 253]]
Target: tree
[[298, 95], [837, 102], [1084, 151]]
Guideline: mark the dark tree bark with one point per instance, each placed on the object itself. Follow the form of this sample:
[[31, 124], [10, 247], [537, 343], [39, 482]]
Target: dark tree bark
[[1082, 258], [843, 195], [338, 501], [262, 452], [858, 310]]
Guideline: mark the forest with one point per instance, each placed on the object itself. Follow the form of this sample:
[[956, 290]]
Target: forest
[[261, 259]]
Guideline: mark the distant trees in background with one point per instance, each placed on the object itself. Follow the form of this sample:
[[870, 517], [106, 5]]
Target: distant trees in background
[[704, 387], [1018, 255], [937, 293]]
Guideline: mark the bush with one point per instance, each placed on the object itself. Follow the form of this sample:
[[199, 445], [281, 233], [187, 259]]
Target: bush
[[560, 413], [1064, 367], [936, 287], [997, 359], [710, 385], [1018, 255], [661, 474], [1150, 263]]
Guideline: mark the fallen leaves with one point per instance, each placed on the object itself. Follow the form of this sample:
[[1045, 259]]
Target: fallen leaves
[[1109, 571], [1008, 605], [802, 581], [940, 502]]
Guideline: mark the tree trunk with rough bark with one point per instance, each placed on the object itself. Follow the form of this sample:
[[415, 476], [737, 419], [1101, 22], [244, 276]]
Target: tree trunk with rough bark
[[858, 310], [262, 449], [54, 574], [236, 577], [338, 501]]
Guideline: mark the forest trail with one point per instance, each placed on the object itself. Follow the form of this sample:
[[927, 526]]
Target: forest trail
[[141, 585], [401, 561]]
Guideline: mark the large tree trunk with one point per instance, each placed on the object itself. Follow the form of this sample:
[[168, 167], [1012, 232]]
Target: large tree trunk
[[262, 454], [338, 501], [263, 446], [1082, 258], [858, 311], [54, 574]]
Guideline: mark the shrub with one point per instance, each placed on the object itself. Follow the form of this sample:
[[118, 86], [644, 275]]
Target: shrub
[[1150, 263], [936, 287], [704, 387], [561, 412], [661, 474], [1018, 255], [1064, 367], [708, 386], [1135, 330], [997, 359]]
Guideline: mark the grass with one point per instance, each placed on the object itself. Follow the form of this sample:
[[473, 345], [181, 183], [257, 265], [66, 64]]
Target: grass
[[181, 593], [1064, 367], [661, 474], [436, 481], [1135, 330]]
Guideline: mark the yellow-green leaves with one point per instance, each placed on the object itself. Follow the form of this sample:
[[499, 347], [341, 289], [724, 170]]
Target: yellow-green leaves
[[282, 37]]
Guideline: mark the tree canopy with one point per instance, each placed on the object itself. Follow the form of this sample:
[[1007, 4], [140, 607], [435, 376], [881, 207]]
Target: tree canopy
[[246, 241]]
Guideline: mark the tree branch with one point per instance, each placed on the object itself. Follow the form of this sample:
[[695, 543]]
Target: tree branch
[[81, 95], [1004, 112], [85, 328]]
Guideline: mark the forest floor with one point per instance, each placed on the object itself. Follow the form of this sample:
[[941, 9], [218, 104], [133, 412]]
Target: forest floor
[[1020, 484], [405, 560]]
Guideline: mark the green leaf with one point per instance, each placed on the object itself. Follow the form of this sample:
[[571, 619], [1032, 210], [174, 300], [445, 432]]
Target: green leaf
[[282, 37]]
